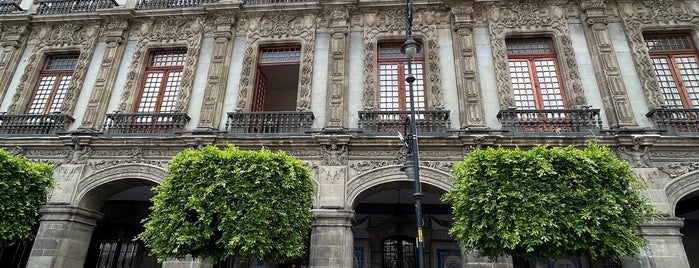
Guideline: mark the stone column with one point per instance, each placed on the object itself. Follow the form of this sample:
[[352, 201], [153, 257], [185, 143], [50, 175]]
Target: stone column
[[616, 100], [63, 237], [471, 260], [96, 109], [338, 83], [468, 89], [665, 248], [12, 40], [188, 263], [332, 238], [211, 109]]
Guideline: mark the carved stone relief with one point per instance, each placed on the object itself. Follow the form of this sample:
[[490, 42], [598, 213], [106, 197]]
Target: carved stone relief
[[649, 15], [113, 34], [163, 33], [51, 38], [338, 66], [612, 88], [533, 17], [389, 24], [278, 28], [217, 79], [12, 40], [468, 86]]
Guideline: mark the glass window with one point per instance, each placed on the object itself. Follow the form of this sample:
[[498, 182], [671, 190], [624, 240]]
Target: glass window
[[54, 80], [534, 74], [674, 60]]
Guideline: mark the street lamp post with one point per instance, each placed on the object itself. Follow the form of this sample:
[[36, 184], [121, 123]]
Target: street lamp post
[[412, 159]]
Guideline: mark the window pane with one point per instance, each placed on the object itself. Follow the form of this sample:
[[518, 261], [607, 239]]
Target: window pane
[[43, 92], [528, 46], [668, 87], [60, 94], [389, 87], [522, 84], [689, 71], [551, 95], [668, 42], [150, 93], [61, 62], [165, 59], [280, 55]]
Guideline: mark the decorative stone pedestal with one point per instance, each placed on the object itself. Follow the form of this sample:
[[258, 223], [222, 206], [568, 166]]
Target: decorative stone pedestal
[[332, 238], [63, 237]]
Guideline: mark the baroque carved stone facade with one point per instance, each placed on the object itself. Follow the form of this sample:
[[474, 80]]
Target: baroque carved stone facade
[[361, 190]]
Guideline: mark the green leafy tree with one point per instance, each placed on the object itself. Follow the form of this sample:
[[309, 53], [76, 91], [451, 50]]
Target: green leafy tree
[[219, 203], [547, 203], [24, 188]]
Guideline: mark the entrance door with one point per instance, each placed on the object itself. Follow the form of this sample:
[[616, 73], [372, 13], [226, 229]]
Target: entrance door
[[399, 252]]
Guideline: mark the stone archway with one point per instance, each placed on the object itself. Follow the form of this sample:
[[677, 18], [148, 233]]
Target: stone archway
[[122, 196], [384, 208], [683, 198]]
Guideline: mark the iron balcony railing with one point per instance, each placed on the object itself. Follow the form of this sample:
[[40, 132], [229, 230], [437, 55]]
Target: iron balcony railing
[[270, 2], [34, 124], [164, 4], [395, 121], [675, 120], [7, 7], [53, 7], [551, 121], [269, 122], [145, 123]]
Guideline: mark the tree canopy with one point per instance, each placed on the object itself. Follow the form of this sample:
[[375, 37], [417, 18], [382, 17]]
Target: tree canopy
[[25, 187], [547, 203], [218, 203]]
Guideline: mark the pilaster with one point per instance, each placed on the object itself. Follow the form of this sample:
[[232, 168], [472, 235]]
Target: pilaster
[[63, 237], [332, 238], [614, 95], [468, 90], [113, 36], [338, 82], [210, 115], [13, 41]]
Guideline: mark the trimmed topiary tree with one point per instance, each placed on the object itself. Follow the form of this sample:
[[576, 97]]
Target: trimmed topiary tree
[[547, 203], [24, 188], [219, 203]]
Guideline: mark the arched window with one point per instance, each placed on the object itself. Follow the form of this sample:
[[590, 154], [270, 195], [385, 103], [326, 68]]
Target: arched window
[[399, 252]]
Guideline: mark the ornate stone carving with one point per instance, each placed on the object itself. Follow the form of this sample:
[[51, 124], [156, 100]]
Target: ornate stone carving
[[391, 174], [276, 28], [113, 34], [637, 155], [337, 59], [334, 154], [468, 89], [365, 166], [389, 24], [641, 16], [167, 32], [12, 39], [332, 174], [66, 36], [613, 90], [527, 18], [209, 117], [678, 169]]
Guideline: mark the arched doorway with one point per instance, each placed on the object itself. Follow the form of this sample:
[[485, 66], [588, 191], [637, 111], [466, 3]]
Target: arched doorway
[[113, 243], [688, 209], [384, 232]]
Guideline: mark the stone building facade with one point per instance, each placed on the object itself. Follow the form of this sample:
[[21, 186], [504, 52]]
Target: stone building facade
[[109, 90]]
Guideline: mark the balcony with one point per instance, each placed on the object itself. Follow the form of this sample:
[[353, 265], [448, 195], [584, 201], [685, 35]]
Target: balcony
[[8, 7], [165, 4], [269, 122], [34, 124], [145, 123], [676, 120], [551, 121], [54, 7], [273, 2], [434, 121]]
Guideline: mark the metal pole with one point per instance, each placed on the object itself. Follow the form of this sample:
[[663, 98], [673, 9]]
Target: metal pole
[[413, 144]]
